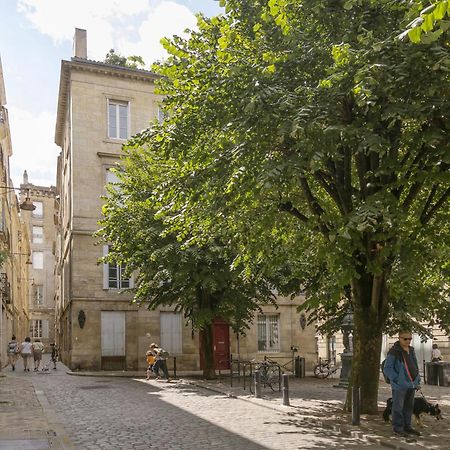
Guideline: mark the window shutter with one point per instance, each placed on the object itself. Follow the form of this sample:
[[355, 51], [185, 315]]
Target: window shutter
[[45, 328], [105, 269], [170, 332]]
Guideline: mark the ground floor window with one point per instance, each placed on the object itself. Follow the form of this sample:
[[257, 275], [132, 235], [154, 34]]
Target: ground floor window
[[113, 333], [269, 333], [38, 328], [170, 330]]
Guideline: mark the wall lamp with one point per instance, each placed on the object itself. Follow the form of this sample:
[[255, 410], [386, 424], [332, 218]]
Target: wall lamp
[[27, 204]]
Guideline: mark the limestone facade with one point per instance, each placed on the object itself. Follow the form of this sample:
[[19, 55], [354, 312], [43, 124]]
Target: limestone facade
[[99, 107], [14, 245], [42, 231]]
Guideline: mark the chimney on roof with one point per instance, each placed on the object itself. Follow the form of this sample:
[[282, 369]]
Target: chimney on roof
[[80, 43]]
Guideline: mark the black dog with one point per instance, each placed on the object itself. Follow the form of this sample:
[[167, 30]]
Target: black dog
[[421, 406]]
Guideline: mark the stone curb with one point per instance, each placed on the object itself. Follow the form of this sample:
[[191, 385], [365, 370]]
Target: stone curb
[[105, 374], [344, 430]]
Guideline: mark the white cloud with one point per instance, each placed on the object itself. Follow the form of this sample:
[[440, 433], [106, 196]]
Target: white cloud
[[131, 27], [33, 146], [165, 20]]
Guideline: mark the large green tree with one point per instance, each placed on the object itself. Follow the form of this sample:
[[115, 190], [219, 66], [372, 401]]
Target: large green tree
[[313, 139], [197, 280]]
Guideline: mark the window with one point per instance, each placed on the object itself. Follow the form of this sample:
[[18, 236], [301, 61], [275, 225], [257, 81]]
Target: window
[[38, 260], [113, 275], [170, 329], [39, 328], [113, 333], [161, 115], [269, 333], [38, 294], [118, 119], [39, 211], [38, 235], [111, 177]]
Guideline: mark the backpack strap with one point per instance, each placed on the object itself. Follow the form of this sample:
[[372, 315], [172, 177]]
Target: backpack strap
[[407, 369]]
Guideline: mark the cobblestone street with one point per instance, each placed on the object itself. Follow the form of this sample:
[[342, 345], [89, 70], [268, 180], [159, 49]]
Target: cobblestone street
[[122, 413]]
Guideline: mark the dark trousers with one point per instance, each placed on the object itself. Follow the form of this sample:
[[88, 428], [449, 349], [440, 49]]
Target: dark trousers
[[402, 409], [160, 364]]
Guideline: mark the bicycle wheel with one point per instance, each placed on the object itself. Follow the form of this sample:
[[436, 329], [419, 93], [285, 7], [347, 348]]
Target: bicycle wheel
[[321, 371], [273, 378]]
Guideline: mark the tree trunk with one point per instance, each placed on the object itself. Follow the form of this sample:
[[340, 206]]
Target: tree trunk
[[370, 300], [208, 353]]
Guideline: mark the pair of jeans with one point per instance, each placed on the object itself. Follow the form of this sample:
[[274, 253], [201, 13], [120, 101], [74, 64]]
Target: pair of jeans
[[160, 364], [402, 409]]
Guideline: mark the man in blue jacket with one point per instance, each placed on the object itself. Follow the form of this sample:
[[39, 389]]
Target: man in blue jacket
[[402, 370]]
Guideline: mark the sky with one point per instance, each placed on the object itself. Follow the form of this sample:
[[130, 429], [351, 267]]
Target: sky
[[35, 35]]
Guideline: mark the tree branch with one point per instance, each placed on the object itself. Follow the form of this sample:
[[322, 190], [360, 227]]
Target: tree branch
[[314, 205], [428, 202], [287, 206], [413, 191], [321, 176], [436, 206]]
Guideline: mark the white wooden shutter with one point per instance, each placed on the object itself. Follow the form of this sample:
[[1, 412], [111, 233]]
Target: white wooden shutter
[[45, 328], [105, 269], [170, 331], [113, 333]]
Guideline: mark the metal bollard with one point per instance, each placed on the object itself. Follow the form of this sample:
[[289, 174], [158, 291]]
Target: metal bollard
[[356, 396], [286, 389], [257, 383]]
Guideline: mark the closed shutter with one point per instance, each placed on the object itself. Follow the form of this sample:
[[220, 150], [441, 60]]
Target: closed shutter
[[170, 331], [113, 333], [45, 328]]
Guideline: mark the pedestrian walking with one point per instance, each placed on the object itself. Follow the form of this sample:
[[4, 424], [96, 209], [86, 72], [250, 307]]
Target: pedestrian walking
[[38, 349], [151, 358], [26, 350], [55, 354], [402, 370], [12, 350], [160, 363]]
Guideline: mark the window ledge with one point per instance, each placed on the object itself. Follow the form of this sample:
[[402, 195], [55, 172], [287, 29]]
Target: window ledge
[[115, 140]]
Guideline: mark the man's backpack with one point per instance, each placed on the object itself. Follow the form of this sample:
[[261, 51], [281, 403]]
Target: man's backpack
[[163, 354], [382, 371]]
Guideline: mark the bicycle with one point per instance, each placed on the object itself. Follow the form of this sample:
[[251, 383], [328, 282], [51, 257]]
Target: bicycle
[[270, 374], [324, 369]]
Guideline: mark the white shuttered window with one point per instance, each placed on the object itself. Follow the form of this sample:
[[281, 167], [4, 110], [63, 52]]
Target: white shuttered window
[[113, 333], [117, 119], [170, 330]]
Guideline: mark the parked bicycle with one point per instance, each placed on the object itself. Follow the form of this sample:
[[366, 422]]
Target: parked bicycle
[[324, 369], [270, 374]]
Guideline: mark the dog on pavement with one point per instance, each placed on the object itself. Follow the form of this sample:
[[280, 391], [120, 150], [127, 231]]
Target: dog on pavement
[[421, 406]]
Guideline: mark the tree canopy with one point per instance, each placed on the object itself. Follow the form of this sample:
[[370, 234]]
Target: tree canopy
[[197, 280], [315, 142], [133, 62]]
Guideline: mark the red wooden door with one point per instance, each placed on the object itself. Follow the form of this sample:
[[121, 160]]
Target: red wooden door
[[221, 345], [221, 332]]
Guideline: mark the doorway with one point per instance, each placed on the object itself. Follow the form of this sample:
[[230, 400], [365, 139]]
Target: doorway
[[221, 345]]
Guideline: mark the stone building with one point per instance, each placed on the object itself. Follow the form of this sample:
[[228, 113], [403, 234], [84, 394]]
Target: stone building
[[99, 107], [14, 244], [42, 230]]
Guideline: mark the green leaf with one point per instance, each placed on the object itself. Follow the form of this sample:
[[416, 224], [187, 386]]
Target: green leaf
[[414, 35]]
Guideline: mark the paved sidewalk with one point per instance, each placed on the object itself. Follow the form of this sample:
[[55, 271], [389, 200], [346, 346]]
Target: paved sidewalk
[[27, 421], [319, 403]]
